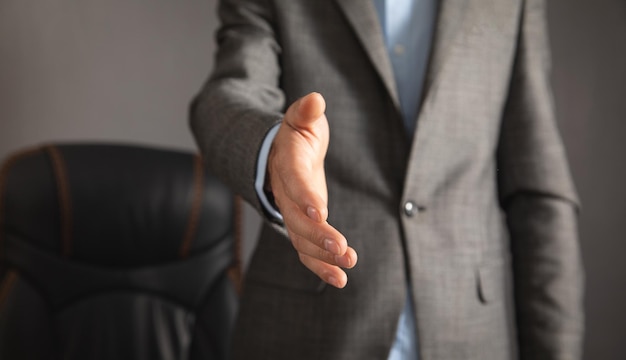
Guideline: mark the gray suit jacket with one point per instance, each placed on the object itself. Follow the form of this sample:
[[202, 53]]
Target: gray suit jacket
[[492, 254]]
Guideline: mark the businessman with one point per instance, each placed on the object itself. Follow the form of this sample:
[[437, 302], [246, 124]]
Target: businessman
[[406, 158]]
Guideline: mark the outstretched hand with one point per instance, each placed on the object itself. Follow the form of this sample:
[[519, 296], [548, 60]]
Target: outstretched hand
[[298, 183]]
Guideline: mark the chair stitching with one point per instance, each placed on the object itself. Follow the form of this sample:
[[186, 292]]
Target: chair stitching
[[60, 173], [4, 173], [194, 215]]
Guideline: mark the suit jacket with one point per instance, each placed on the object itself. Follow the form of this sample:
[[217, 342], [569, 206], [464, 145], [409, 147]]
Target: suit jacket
[[492, 252]]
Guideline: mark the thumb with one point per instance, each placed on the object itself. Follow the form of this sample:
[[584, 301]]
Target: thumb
[[307, 134], [303, 113]]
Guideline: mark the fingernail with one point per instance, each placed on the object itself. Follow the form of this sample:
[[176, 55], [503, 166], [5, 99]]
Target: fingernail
[[313, 214], [343, 261], [333, 281], [331, 247]]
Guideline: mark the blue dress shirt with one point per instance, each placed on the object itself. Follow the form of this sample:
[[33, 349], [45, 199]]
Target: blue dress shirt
[[408, 28]]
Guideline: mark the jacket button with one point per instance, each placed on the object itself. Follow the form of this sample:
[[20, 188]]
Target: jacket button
[[411, 209]]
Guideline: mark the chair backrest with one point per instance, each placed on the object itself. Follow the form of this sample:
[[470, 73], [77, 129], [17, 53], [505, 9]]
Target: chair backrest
[[114, 252]]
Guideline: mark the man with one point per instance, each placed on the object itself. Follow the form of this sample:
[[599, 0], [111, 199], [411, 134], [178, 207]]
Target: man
[[463, 215]]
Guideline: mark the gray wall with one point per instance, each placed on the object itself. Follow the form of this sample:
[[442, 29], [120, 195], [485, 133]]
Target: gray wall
[[124, 70], [101, 69], [589, 56]]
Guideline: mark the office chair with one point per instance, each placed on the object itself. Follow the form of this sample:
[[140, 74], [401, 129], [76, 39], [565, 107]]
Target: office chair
[[114, 252]]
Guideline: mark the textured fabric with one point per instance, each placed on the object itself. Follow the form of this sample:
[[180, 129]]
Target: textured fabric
[[492, 256]]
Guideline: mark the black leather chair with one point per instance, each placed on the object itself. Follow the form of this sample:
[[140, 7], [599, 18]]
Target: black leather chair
[[114, 252]]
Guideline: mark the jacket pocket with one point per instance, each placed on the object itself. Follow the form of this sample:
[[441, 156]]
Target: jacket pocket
[[491, 280]]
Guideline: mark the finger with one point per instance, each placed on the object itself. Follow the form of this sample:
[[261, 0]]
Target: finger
[[331, 274], [350, 256], [303, 246], [318, 240], [320, 235]]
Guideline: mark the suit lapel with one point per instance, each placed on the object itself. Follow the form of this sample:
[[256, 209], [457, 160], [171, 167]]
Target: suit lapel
[[449, 22], [363, 18]]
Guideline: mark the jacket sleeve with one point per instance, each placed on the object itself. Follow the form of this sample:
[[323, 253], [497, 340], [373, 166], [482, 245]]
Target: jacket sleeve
[[242, 99], [541, 205]]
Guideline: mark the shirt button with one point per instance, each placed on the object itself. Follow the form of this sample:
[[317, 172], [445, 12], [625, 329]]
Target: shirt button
[[411, 209]]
